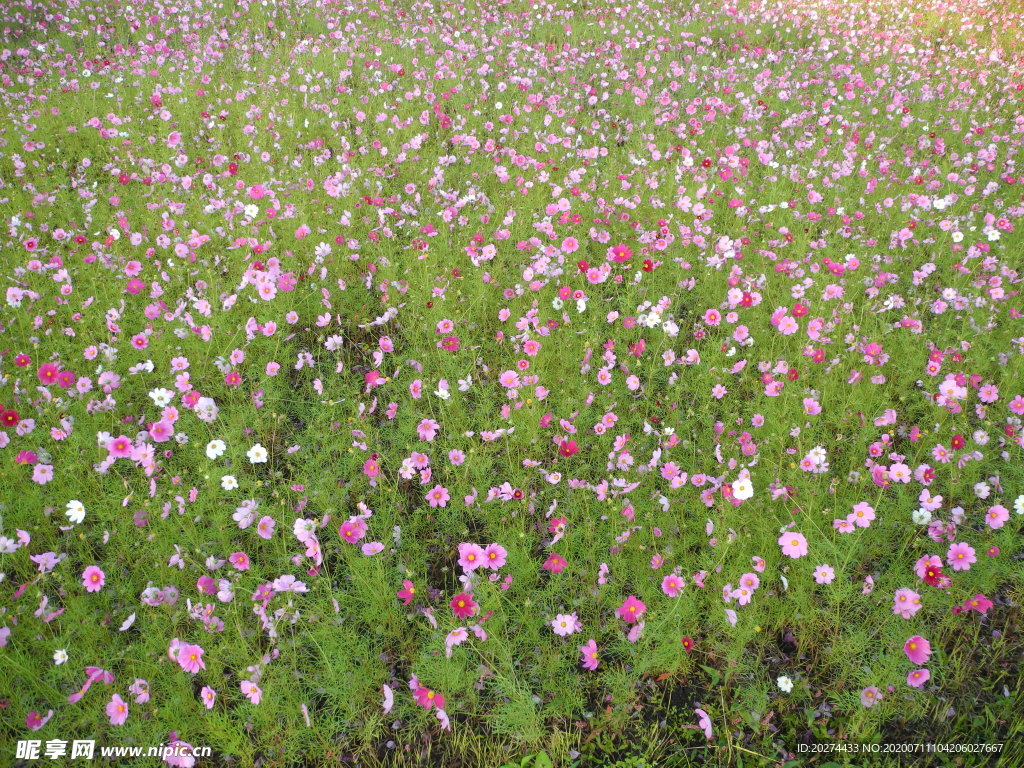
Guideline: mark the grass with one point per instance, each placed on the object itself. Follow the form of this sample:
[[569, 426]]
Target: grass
[[616, 115]]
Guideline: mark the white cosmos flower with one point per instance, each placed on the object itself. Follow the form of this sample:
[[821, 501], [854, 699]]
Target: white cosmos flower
[[922, 516], [75, 511], [784, 683], [161, 397], [818, 455], [742, 488], [257, 454], [215, 449], [228, 482], [60, 656]]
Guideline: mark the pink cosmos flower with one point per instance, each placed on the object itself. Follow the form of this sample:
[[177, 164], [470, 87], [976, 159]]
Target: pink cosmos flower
[[239, 560], [588, 656], [924, 563], [42, 474], [181, 754], [265, 527], [494, 556], [978, 603], [371, 468], [252, 691], [190, 657], [140, 690], [997, 516], [824, 574], [917, 649], [438, 496], [671, 585], [631, 610], [961, 556], [93, 579], [117, 710], [565, 624], [870, 696], [120, 447], [471, 557], [793, 544], [862, 515], [704, 723], [161, 432], [918, 677], [457, 636], [427, 430], [906, 603], [208, 695]]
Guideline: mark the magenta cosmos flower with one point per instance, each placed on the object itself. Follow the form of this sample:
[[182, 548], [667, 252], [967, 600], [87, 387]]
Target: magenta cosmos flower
[[427, 698], [48, 373], [34, 721], [918, 649], [353, 530], [555, 563], [93, 579], [568, 448], [793, 544], [407, 592], [463, 605], [632, 609]]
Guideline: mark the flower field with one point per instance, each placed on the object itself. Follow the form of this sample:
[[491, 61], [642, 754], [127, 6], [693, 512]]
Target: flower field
[[460, 384]]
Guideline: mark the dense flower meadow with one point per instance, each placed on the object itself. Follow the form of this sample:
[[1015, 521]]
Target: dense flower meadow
[[452, 384]]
